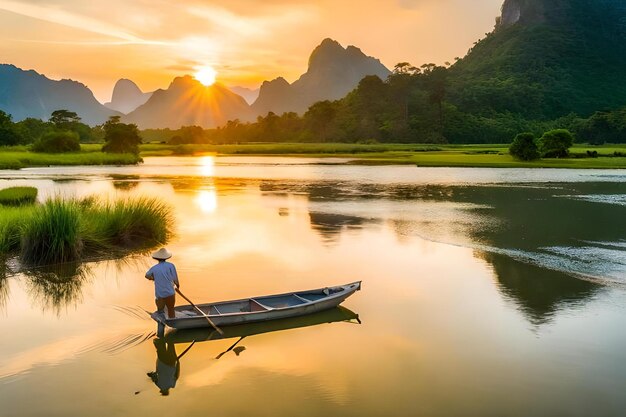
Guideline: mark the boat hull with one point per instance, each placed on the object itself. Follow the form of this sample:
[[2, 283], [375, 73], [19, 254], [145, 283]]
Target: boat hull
[[262, 308]]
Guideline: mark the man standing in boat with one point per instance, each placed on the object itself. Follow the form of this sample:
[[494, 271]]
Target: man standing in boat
[[165, 278]]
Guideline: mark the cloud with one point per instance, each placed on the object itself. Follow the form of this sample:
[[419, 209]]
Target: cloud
[[57, 15], [247, 41]]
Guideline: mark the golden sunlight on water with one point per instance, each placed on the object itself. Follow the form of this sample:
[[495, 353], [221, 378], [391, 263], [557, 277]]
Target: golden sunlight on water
[[446, 328], [207, 166], [207, 200]]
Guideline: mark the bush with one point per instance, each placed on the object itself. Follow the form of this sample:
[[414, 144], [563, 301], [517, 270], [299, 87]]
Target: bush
[[182, 150], [57, 142], [556, 143], [524, 147], [32, 129], [17, 196], [120, 137]]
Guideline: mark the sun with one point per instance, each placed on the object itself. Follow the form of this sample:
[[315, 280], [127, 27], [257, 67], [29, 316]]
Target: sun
[[206, 75]]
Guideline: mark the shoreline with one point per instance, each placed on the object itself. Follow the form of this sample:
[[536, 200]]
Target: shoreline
[[421, 155]]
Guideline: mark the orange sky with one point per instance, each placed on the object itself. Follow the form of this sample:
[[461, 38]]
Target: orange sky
[[247, 41]]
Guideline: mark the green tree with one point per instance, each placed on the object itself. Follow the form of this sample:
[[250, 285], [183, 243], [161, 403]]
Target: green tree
[[85, 132], [319, 118], [437, 78], [363, 112], [57, 142], [64, 119], [97, 134], [120, 137], [556, 143], [69, 120], [405, 68], [33, 129], [400, 83], [9, 135], [524, 147], [603, 127], [188, 135], [268, 127]]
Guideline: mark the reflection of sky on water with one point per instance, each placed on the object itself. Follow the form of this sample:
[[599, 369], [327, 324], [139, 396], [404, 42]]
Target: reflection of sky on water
[[440, 306]]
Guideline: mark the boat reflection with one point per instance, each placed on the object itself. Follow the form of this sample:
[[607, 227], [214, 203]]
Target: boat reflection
[[168, 367]]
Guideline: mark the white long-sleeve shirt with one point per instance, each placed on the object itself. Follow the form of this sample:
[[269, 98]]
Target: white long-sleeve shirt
[[164, 276]]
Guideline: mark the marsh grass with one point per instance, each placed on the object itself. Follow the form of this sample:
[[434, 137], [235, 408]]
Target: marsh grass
[[12, 220], [17, 196], [52, 234], [71, 229], [131, 223], [17, 157]]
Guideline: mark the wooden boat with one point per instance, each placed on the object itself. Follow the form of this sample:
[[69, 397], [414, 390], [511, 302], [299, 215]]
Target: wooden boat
[[258, 309], [204, 334]]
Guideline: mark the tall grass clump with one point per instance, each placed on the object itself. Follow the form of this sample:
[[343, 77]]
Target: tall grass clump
[[52, 234], [12, 220], [127, 223], [69, 229], [17, 196]]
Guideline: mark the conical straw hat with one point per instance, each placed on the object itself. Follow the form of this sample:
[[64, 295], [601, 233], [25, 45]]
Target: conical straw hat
[[162, 254]]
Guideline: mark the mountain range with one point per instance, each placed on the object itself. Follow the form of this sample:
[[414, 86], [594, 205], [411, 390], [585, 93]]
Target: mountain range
[[127, 96], [249, 94], [333, 72], [544, 60], [26, 94], [187, 102]]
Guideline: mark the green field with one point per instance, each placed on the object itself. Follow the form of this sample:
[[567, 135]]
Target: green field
[[496, 156], [422, 155], [17, 157]]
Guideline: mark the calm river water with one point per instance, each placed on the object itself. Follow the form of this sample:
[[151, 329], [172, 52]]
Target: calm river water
[[486, 292]]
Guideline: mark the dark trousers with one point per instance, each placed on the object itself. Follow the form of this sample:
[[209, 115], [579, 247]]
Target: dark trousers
[[168, 302]]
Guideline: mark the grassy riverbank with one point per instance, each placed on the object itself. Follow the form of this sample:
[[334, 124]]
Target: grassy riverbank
[[495, 156], [17, 157], [61, 230]]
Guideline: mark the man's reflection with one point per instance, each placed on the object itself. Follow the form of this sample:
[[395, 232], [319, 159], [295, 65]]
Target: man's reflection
[[167, 366]]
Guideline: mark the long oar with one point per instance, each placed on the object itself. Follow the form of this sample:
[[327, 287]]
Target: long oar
[[185, 351], [201, 312], [230, 348]]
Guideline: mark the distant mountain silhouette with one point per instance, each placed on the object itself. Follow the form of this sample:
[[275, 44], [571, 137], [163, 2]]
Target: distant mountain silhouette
[[333, 72], [30, 94], [277, 96], [127, 96], [187, 102], [248, 94]]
